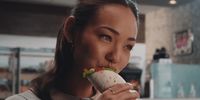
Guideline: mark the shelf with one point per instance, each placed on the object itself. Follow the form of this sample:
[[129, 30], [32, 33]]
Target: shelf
[[26, 64], [28, 76], [5, 75]]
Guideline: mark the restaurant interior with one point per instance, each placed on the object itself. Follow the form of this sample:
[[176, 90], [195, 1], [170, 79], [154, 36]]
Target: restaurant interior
[[164, 64]]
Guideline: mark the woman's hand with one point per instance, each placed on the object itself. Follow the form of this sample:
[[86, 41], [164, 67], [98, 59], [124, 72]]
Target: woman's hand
[[119, 92]]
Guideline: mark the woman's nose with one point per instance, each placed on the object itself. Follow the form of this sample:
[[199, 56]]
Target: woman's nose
[[113, 56]]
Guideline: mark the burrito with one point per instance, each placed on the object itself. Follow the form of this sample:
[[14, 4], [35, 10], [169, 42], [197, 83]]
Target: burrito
[[103, 78]]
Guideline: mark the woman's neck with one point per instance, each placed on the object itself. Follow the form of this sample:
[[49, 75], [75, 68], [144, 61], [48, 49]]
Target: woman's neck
[[74, 84]]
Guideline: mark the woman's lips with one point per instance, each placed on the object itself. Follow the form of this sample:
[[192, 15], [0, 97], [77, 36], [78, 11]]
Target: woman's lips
[[112, 67]]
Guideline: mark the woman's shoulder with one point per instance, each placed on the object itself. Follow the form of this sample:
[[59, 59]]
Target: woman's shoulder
[[27, 95]]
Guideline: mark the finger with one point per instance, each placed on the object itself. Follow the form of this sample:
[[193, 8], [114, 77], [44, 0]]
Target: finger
[[135, 92], [135, 86], [120, 87], [125, 95], [128, 95]]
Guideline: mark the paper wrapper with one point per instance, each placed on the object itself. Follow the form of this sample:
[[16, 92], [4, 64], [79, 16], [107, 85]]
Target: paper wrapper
[[104, 79]]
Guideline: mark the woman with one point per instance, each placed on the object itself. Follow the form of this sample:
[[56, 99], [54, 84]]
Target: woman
[[98, 33]]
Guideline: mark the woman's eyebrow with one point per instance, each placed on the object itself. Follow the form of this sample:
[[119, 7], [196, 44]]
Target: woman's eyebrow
[[110, 29]]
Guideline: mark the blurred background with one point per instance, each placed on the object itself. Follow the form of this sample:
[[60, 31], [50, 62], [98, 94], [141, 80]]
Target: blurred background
[[164, 64]]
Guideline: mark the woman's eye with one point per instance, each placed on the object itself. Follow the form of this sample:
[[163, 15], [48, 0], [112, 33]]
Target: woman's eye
[[129, 47], [106, 38]]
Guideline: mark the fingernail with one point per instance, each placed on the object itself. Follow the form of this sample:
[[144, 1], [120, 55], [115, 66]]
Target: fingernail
[[130, 84], [134, 92]]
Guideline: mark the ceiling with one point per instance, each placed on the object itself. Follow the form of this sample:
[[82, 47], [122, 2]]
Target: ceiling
[[46, 2], [73, 2], [145, 6], [22, 12], [162, 2]]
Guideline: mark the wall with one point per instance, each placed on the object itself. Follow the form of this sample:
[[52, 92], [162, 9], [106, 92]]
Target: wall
[[36, 42], [163, 23], [31, 19]]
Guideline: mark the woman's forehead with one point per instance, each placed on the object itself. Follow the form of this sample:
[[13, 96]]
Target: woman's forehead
[[118, 17]]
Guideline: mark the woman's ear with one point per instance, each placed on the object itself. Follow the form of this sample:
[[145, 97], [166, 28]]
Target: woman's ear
[[69, 22]]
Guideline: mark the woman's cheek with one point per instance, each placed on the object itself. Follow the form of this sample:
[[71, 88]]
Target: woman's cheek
[[93, 51], [125, 60], [98, 52]]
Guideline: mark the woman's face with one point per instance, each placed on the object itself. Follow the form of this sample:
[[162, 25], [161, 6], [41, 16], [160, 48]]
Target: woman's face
[[108, 40]]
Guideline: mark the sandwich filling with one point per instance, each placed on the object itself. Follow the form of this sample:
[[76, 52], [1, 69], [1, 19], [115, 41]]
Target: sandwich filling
[[89, 71]]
